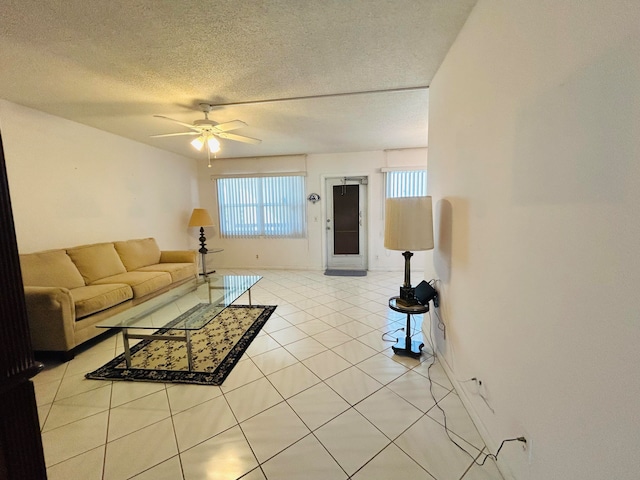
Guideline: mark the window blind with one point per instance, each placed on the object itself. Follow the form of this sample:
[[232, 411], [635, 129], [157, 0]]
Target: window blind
[[406, 183], [261, 206]]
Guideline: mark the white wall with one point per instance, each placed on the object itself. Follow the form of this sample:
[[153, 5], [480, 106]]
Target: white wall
[[534, 143], [72, 184], [310, 252]]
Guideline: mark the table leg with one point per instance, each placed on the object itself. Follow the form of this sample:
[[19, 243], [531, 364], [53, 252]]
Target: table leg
[[189, 353], [204, 265], [406, 346], [127, 350]]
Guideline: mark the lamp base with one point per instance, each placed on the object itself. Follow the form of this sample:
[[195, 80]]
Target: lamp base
[[407, 297], [203, 239]]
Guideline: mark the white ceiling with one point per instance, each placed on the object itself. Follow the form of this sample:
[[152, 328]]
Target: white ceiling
[[114, 64]]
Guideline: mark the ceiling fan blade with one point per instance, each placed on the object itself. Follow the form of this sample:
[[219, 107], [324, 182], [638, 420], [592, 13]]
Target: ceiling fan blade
[[173, 134], [239, 138], [188, 125], [232, 125]]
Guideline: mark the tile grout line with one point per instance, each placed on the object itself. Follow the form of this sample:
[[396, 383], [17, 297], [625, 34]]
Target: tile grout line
[[324, 289], [106, 434], [175, 433], [311, 431]]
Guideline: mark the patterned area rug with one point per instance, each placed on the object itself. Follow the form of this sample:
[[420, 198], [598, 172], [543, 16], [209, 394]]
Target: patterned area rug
[[216, 349]]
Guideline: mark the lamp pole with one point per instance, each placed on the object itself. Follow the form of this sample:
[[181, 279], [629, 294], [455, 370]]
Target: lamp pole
[[203, 252]]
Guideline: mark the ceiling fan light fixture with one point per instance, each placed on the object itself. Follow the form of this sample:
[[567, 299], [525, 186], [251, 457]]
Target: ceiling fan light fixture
[[214, 144], [198, 143], [207, 131]]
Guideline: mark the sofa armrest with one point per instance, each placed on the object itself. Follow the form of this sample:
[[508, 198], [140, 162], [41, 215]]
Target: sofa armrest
[[178, 256], [52, 314]]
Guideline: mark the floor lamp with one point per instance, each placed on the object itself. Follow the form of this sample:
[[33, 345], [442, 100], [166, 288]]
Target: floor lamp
[[201, 218], [408, 227]]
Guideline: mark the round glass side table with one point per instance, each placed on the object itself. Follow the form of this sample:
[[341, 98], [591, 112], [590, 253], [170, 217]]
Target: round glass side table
[[406, 346]]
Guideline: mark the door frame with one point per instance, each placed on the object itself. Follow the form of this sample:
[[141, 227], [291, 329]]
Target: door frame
[[326, 214]]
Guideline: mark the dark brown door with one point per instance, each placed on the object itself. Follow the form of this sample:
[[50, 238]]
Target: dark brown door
[[346, 223], [346, 228]]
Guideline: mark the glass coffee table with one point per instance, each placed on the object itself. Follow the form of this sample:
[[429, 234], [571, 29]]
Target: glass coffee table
[[171, 313]]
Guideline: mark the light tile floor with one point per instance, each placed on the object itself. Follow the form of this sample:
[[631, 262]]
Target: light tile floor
[[319, 394]]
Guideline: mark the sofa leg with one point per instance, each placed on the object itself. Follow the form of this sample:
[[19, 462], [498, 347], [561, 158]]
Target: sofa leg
[[67, 356], [57, 356]]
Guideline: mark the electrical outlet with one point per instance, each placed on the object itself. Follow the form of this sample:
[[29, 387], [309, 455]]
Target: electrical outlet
[[528, 449], [479, 388], [526, 444], [478, 383]]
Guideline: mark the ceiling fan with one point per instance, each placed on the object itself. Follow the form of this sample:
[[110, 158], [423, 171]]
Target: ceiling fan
[[207, 131]]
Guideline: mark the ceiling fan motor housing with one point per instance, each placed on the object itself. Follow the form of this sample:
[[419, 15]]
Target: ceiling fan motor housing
[[205, 124]]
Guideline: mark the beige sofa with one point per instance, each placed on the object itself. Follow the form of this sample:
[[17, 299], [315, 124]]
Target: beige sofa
[[69, 291]]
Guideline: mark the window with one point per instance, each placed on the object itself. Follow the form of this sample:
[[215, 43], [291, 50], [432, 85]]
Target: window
[[261, 206], [406, 183]]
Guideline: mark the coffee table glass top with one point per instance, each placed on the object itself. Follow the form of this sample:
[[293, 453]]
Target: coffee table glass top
[[219, 291]]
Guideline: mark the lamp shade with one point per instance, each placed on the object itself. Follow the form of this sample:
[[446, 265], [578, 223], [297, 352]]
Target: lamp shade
[[198, 143], [200, 218], [214, 144], [408, 224]]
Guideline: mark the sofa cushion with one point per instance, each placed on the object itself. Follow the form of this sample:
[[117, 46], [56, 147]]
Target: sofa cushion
[[178, 271], [96, 261], [142, 283], [95, 298], [53, 268], [138, 253], [178, 256]]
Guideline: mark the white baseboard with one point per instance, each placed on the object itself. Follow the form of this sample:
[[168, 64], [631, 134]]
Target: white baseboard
[[313, 269]]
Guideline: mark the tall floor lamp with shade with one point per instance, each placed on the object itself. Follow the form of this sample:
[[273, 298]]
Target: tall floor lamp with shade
[[409, 228], [200, 218]]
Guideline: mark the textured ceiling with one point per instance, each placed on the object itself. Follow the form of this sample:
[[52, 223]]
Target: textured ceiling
[[114, 64]]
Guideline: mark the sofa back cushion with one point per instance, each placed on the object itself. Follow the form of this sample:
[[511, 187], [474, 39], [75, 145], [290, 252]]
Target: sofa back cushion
[[138, 253], [96, 261], [52, 268]]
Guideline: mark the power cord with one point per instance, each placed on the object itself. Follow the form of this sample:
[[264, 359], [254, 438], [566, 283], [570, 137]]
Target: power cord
[[390, 332], [444, 415], [401, 329], [486, 401], [413, 325], [434, 283]]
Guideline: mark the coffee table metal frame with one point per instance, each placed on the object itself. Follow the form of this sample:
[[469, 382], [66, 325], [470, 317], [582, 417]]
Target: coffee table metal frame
[[227, 288]]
